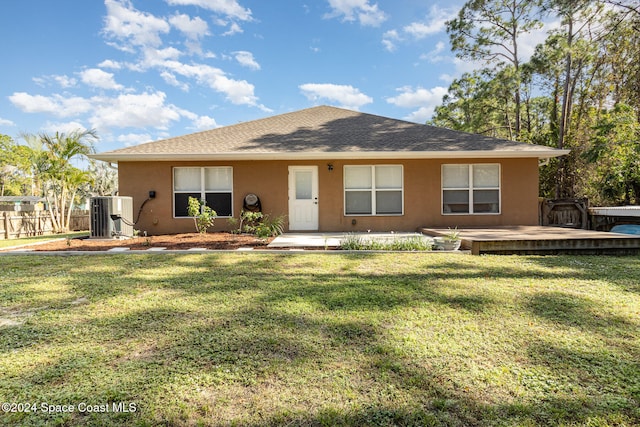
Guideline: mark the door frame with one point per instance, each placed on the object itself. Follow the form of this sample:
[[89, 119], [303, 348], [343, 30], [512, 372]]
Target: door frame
[[313, 203]]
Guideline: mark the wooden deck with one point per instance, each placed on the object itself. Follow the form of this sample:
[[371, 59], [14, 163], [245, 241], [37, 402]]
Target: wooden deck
[[537, 240]]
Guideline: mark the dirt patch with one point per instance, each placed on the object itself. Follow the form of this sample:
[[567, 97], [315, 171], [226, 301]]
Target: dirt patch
[[170, 242]]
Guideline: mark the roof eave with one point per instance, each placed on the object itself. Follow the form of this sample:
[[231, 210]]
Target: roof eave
[[334, 155]]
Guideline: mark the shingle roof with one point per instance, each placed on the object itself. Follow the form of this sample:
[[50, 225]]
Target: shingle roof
[[324, 132]]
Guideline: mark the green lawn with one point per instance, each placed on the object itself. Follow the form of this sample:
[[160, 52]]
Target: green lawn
[[5, 243], [312, 339]]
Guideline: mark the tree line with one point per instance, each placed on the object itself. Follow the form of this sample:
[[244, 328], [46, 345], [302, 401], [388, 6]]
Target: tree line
[[580, 90], [43, 166]]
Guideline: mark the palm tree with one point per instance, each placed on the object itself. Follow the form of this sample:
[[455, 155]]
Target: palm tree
[[51, 160], [75, 179]]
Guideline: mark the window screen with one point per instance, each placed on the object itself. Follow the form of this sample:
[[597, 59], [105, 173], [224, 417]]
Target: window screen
[[471, 189], [373, 190], [212, 184]]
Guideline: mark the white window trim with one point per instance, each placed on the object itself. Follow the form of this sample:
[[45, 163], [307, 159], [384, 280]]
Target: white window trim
[[373, 190], [470, 189], [202, 188]]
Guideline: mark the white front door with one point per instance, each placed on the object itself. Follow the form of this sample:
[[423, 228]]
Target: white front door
[[303, 197]]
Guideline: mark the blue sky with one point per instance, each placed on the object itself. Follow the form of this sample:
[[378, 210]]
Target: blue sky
[[140, 70]]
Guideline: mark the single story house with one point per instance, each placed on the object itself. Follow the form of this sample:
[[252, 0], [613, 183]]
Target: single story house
[[331, 169]]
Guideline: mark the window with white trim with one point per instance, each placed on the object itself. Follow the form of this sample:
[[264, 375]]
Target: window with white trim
[[213, 184], [471, 189], [373, 190]]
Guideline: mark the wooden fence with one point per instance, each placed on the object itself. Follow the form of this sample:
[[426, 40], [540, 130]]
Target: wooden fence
[[37, 223], [570, 213]]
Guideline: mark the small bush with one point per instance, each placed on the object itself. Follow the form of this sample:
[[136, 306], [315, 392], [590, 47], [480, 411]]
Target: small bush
[[203, 215], [411, 244], [233, 225], [270, 227], [355, 242], [249, 221], [259, 224], [352, 242]]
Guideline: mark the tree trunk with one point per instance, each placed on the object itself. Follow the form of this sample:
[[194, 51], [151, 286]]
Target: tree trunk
[[565, 110], [68, 220], [54, 219]]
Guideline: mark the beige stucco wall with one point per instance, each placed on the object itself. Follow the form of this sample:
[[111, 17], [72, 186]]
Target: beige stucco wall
[[269, 180]]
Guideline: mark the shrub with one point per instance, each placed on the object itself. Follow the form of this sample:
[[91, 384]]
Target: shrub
[[269, 227], [410, 244], [249, 221], [203, 215], [355, 242], [352, 242], [259, 224]]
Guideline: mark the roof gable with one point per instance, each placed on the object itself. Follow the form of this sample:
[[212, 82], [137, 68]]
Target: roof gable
[[322, 132]]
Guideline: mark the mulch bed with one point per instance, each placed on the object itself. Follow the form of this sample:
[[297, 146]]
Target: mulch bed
[[170, 242]]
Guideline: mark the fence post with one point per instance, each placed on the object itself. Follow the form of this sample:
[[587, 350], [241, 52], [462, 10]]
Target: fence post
[[6, 225]]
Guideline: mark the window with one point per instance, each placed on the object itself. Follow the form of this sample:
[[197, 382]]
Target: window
[[373, 190], [471, 189], [214, 184]]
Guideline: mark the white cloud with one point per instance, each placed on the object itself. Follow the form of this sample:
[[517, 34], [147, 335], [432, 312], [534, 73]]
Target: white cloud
[[204, 122], [410, 97], [95, 77], [134, 110], [426, 99], [346, 96], [466, 66], [6, 122], [65, 81], [131, 139], [350, 10], [389, 40], [140, 32], [421, 115], [234, 28], [108, 63], [148, 109], [62, 81], [246, 59], [194, 28], [434, 55], [447, 78], [230, 8], [435, 23], [157, 57], [128, 25], [40, 81], [171, 79], [56, 105], [68, 127], [527, 43], [239, 92]]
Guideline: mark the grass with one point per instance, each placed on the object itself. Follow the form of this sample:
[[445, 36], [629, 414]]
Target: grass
[[321, 339], [5, 243]]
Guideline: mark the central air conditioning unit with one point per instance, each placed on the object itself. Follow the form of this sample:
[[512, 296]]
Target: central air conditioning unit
[[111, 217]]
